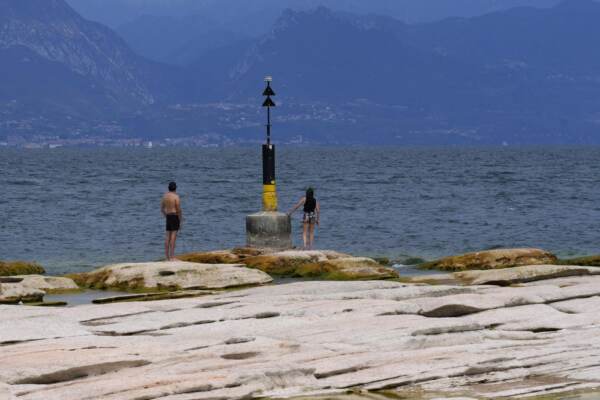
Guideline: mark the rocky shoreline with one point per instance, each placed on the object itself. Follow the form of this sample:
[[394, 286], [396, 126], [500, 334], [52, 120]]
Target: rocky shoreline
[[516, 331], [215, 270]]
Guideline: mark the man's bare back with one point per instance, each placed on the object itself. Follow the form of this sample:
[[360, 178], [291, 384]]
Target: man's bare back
[[170, 204]]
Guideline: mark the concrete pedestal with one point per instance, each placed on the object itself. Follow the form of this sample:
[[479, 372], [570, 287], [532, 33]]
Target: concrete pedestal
[[269, 230]]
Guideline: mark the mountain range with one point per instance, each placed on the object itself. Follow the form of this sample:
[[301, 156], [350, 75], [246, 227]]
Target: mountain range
[[177, 31], [518, 76], [257, 16]]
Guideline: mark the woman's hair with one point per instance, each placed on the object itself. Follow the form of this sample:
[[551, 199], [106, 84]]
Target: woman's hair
[[310, 193]]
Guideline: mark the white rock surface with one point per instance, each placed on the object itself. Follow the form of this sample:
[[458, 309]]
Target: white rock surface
[[311, 338], [47, 283], [178, 274], [15, 292]]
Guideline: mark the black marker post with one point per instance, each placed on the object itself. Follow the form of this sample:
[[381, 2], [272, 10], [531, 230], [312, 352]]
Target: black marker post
[[268, 154], [269, 228]]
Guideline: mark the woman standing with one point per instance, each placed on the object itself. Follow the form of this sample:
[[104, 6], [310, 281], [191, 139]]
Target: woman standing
[[311, 217]]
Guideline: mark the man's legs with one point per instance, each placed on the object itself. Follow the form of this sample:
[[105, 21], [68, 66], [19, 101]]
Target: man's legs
[[168, 246], [173, 240]]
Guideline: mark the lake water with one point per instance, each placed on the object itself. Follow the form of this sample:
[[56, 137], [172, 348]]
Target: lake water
[[74, 209]]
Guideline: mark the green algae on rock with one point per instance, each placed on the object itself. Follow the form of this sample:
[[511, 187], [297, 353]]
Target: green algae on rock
[[49, 304], [385, 261], [589, 261], [170, 276], [492, 259], [235, 256], [317, 264], [10, 268]]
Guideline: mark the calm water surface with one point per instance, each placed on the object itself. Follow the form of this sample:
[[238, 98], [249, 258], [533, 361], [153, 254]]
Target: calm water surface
[[74, 209]]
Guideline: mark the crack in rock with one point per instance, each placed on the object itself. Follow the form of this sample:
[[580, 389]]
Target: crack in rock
[[452, 311], [93, 348], [542, 330], [439, 330], [130, 333], [107, 320], [240, 356], [262, 315], [72, 374], [186, 324], [215, 304], [239, 340], [15, 342], [338, 372], [197, 348]]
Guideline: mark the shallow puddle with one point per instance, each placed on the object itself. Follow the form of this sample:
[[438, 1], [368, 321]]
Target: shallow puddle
[[81, 298]]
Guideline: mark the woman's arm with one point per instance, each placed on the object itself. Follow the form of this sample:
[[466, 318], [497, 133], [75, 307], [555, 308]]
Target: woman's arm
[[297, 206]]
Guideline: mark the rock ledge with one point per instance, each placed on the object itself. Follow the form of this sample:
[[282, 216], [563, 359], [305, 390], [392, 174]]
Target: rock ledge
[[170, 276], [322, 264], [492, 259]]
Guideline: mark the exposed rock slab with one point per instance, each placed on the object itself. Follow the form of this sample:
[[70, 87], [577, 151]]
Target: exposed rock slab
[[530, 273], [49, 284], [14, 293], [175, 275], [10, 268], [492, 259], [32, 288], [311, 338], [323, 264]]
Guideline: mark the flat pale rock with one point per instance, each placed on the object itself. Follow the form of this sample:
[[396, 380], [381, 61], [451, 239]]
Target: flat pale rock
[[175, 275], [13, 293], [529, 273], [5, 393], [311, 339], [48, 284], [492, 259]]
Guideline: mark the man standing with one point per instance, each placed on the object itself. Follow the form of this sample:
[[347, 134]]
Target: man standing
[[171, 208]]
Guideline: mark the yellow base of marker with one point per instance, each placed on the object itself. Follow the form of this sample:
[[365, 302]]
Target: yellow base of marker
[[269, 198]]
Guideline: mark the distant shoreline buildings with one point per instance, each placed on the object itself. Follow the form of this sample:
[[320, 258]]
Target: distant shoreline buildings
[[204, 141]]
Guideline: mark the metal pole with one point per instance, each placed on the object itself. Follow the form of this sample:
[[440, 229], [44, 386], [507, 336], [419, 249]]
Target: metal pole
[[268, 125]]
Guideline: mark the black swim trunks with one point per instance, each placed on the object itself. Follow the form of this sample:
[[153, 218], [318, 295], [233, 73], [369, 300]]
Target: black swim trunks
[[173, 222]]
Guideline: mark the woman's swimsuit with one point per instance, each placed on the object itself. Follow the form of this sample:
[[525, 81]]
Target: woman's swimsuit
[[173, 222], [310, 206]]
